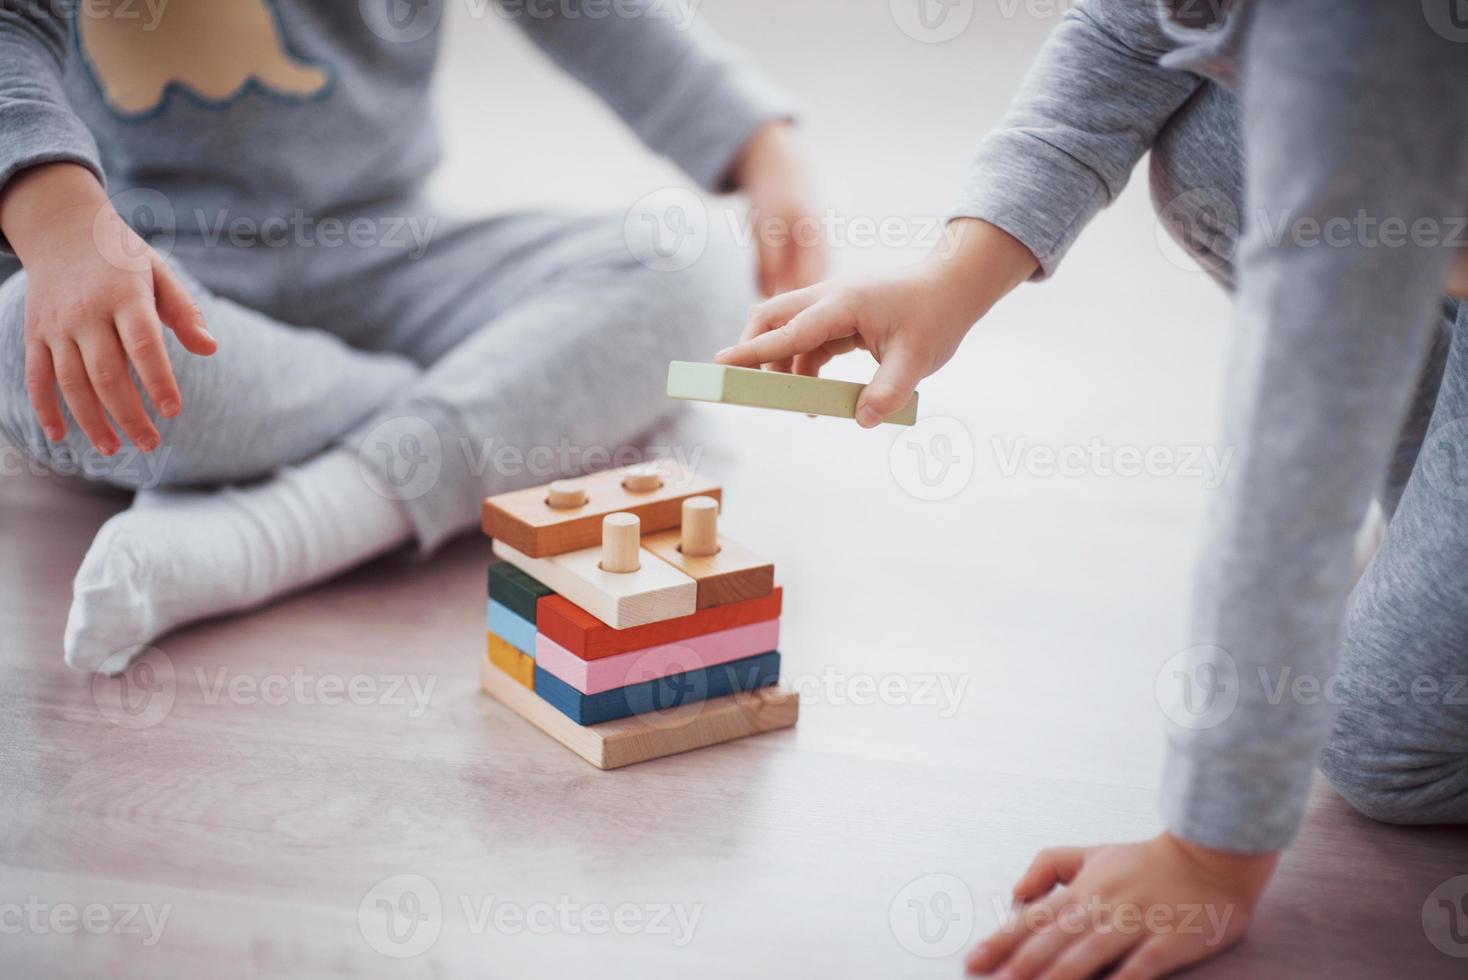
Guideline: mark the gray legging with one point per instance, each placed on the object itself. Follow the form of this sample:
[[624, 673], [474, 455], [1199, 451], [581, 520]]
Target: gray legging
[[1399, 749], [507, 349]]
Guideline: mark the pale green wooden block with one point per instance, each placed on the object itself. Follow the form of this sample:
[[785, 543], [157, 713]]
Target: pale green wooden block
[[772, 389]]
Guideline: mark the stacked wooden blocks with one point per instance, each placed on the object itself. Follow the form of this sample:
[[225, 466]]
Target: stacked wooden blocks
[[623, 624]]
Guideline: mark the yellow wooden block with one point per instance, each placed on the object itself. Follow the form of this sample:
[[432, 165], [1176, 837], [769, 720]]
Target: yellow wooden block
[[773, 389], [512, 661]]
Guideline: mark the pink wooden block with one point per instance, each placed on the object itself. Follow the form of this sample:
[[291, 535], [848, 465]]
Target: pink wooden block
[[649, 663]]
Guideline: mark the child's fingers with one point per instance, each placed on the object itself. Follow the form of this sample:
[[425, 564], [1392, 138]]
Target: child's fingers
[[1052, 866], [106, 365], [76, 388], [777, 312], [40, 381], [810, 364], [1016, 934], [1158, 956], [180, 312], [142, 339], [804, 332], [897, 375]]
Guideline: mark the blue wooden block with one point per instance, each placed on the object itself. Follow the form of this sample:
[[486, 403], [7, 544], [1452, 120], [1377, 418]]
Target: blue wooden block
[[513, 629], [761, 670]]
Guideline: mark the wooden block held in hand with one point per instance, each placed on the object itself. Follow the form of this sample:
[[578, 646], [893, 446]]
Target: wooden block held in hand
[[525, 520], [654, 592], [590, 639], [614, 744], [773, 389], [731, 574]]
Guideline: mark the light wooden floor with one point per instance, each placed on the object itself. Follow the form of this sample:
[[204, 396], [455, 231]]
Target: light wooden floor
[[270, 824]]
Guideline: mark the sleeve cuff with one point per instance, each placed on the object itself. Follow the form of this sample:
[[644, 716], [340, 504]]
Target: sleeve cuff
[[37, 133], [1039, 194], [1242, 803]]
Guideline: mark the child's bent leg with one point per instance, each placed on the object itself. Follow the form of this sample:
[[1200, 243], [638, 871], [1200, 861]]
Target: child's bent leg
[[271, 395], [1399, 752], [563, 376]]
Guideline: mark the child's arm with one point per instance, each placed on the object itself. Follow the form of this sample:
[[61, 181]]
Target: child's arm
[[95, 291], [1090, 107], [698, 101]]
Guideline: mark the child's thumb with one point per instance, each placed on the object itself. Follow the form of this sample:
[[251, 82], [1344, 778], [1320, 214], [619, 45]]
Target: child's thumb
[[891, 388]]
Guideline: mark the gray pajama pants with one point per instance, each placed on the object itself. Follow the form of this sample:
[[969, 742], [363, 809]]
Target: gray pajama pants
[[1399, 749], [509, 351]]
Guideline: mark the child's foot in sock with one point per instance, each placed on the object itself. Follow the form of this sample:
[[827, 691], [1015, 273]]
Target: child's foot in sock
[[176, 557]]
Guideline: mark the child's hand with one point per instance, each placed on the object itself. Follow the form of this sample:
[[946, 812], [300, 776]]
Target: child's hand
[[97, 300], [911, 321], [1153, 907], [774, 172]]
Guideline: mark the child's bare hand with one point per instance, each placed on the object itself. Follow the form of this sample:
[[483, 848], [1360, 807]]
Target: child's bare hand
[[98, 299], [1152, 907], [911, 321], [774, 172]]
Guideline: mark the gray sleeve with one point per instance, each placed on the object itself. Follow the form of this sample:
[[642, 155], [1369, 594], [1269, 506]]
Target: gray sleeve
[[1092, 104], [687, 94], [36, 122], [1331, 331]]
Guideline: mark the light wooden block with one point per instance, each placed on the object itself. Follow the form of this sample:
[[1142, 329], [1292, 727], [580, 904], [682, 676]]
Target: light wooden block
[[732, 574], [636, 666], [589, 638], [773, 389], [654, 592], [515, 664], [614, 744], [525, 521]]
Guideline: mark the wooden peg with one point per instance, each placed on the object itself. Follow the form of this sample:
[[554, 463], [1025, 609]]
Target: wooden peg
[[643, 478], [565, 495], [621, 543], [700, 527]]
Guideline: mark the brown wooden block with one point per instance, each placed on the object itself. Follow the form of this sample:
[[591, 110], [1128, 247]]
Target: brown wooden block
[[732, 574], [524, 520], [513, 662], [638, 738]]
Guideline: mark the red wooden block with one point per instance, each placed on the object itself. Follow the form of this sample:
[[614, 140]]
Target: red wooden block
[[590, 639]]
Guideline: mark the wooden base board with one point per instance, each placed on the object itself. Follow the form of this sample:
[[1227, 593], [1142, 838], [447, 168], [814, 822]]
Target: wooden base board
[[523, 520], [773, 389], [660, 693], [590, 639], [515, 590], [614, 744], [654, 592], [636, 666], [732, 574], [516, 665]]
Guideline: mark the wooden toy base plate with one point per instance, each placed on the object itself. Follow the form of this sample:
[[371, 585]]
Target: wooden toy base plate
[[614, 744]]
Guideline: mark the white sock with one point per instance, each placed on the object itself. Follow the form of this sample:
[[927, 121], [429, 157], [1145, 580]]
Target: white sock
[[176, 557]]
